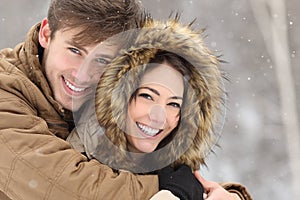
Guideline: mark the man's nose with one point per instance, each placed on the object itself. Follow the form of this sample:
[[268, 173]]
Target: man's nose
[[88, 72], [157, 116], [83, 76]]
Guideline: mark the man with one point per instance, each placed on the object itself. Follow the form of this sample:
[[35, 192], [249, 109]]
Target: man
[[38, 79]]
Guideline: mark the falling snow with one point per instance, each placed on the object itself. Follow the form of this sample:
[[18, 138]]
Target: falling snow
[[253, 149]]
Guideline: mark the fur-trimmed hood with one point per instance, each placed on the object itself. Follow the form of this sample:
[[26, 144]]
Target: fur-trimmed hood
[[194, 136]]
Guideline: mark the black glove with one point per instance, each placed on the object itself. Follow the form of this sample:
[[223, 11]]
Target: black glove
[[181, 182]]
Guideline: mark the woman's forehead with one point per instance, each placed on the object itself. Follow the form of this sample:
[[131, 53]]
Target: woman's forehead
[[165, 75]]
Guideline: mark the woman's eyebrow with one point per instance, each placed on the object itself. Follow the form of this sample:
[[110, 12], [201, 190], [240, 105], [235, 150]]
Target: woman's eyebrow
[[157, 93], [151, 89], [176, 97]]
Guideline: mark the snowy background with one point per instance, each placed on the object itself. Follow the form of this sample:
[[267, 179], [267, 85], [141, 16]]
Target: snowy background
[[258, 39]]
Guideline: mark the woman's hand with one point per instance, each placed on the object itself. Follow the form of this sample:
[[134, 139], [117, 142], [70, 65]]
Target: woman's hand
[[214, 191]]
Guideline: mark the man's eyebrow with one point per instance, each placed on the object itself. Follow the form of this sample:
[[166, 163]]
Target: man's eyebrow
[[72, 43], [109, 56], [75, 44]]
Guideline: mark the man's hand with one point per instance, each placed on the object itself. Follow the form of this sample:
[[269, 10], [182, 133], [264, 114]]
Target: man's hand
[[214, 191]]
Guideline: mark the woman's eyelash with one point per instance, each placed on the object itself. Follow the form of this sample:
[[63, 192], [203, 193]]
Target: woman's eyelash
[[147, 96], [177, 105]]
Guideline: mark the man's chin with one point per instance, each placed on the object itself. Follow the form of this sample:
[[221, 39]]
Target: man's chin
[[75, 107], [72, 106]]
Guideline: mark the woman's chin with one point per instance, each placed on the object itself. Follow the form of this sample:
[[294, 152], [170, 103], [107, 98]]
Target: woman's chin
[[147, 149]]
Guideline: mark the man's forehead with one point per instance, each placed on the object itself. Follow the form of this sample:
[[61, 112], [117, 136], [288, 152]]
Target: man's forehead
[[106, 49], [78, 37]]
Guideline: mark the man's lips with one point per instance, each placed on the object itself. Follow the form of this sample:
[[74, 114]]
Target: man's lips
[[74, 89]]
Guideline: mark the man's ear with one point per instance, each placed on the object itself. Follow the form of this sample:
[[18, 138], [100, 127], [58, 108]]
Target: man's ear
[[44, 34]]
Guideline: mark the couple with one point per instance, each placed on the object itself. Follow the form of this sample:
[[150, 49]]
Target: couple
[[37, 88]]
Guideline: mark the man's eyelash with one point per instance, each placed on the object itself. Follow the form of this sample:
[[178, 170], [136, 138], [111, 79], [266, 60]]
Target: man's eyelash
[[103, 61], [74, 50]]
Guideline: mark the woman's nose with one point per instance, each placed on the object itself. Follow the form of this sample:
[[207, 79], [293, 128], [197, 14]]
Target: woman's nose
[[157, 116]]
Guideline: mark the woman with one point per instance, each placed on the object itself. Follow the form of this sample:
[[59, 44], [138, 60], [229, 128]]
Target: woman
[[154, 108], [167, 129], [108, 136]]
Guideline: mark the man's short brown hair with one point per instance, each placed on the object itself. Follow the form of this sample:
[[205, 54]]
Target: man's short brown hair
[[97, 20]]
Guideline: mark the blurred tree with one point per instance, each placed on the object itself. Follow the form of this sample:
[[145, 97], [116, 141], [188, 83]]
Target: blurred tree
[[271, 18]]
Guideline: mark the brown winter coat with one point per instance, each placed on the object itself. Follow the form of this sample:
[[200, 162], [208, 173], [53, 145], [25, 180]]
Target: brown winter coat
[[35, 160]]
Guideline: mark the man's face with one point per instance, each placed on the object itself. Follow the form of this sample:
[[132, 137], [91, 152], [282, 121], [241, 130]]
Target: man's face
[[71, 75]]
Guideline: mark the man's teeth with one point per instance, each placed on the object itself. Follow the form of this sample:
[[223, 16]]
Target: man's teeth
[[72, 87], [147, 130]]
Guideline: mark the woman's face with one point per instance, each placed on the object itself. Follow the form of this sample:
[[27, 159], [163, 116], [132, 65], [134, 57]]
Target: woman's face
[[155, 111]]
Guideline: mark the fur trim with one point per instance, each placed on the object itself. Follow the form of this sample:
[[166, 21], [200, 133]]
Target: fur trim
[[194, 138]]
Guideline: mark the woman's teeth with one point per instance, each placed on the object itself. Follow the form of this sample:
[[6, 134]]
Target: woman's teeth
[[147, 130], [72, 87]]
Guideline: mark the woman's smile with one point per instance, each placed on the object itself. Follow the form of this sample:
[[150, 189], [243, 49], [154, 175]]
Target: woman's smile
[[152, 132]]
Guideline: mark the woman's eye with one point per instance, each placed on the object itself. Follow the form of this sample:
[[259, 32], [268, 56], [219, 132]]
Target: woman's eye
[[175, 105], [146, 96], [74, 50]]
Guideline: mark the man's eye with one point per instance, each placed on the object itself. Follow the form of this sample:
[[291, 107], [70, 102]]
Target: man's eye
[[74, 50], [146, 96], [102, 61]]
